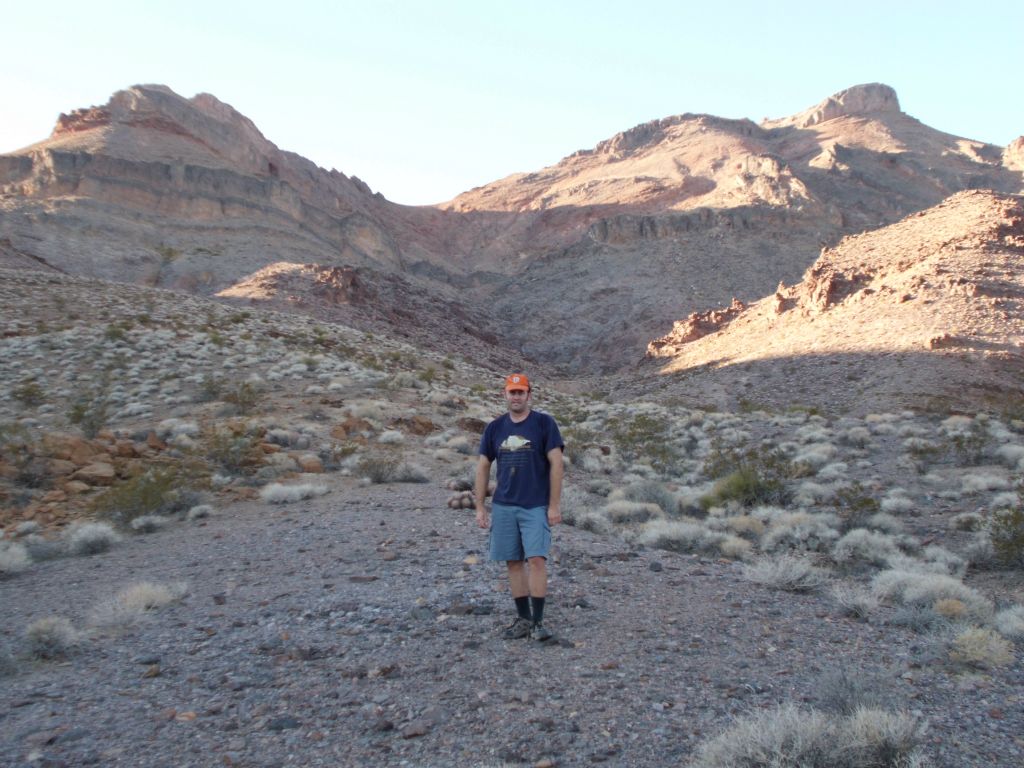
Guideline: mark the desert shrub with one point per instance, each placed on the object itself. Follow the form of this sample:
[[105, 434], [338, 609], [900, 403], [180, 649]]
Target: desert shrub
[[679, 536], [1010, 622], [391, 437], [735, 548], [920, 619], [746, 526], [786, 572], [276, 493], [648, 492], [132, 603], [800, 531], [14, 558], [624, 512], [40, 548], [1006, 531], [861, 545], [983, 481], [967, 521], [198, 512], [244, 397], [90, 538], [29, 393], [407, 472], [89, 408], [854, 601], [754, 476], [925, 589], [50, 638], [158, 491], [840, 692], [644, 437], [235, 448], [982, 648], [790, 737], [149, 523]]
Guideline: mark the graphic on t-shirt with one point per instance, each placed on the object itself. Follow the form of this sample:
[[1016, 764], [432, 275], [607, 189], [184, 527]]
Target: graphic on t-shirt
[[515, 443]]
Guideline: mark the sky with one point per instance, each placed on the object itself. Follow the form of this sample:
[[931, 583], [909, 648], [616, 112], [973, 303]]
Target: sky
[[424, 100]]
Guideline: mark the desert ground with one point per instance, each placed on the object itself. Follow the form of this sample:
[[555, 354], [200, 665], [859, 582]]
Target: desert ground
[[236, 536]]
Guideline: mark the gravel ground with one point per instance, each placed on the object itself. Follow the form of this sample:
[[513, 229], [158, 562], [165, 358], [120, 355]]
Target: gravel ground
[[363, 628]]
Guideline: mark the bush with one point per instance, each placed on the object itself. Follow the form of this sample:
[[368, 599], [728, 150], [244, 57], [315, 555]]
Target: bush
[[1006, 530], [981, 648], [854, 601], [159, 491], [14, 558], [786, 572], [276, 493], [648, 492], [132, 603], [679, 536], [29, 394], [91, 538], [750, 477], [232, 448], [89, 409], [50, 638], [245, 397], [925, 589], [789, 737]]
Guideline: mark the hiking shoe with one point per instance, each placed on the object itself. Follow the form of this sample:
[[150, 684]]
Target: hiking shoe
[[540, 633], [517, 629]]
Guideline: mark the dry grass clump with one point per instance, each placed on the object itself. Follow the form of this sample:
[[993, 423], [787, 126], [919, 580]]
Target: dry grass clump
[[791, 737], [149, 523], [276, 493], [786, 572], [132, 603], [925, 589], [854, 601], [800, 531], [51, 638], [864, 546], [90, 538], [983, 481], [982, 648], [390, 469], [1010, 622], [158, 491], [622, 512], [967, 521], [648, 492], [1006, 532], [14, 558], [680, 536]]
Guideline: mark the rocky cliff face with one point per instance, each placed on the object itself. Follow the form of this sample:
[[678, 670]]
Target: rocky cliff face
[[578, 264]]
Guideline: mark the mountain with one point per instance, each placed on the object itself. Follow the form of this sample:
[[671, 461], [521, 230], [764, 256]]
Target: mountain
[[577, 265], [926, 312]]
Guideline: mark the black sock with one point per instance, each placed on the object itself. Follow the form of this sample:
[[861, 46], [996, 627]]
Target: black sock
[[523, 607], [537, 603]]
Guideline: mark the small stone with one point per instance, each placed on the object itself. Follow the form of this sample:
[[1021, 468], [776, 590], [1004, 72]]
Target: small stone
[[656, 567], [415, 728]]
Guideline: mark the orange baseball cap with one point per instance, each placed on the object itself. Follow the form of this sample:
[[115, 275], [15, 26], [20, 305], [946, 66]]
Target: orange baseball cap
[[517, 381]]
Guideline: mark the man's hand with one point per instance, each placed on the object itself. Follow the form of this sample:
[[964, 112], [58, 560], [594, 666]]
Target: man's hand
[[554, 514], [482, 518]]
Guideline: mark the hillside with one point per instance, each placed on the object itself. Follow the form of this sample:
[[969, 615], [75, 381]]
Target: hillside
[[923, 313], [609, 246]]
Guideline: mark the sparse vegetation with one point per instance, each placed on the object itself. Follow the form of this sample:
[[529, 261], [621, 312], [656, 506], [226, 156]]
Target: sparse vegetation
[[50, 638]]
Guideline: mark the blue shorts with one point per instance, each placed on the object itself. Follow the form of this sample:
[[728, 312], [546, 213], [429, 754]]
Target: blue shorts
[[518, 533]]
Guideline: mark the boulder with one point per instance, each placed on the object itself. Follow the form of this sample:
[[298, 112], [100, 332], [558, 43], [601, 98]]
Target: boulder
[[97, 473]]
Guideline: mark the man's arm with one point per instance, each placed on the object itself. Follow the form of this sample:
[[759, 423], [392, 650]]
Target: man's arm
[[555, 500], [483, 476]]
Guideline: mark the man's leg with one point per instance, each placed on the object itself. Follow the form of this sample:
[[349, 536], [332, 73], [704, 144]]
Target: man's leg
[[538, 580], [520, 585]]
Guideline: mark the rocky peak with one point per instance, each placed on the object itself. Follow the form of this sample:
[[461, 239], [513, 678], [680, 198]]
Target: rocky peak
[[205, 120], [871, 98], [1013, 155]]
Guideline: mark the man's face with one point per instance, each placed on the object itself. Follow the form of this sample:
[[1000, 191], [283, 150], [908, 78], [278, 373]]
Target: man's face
[[518, 400]]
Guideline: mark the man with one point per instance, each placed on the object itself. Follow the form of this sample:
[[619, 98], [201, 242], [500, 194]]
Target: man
[[527, 500]]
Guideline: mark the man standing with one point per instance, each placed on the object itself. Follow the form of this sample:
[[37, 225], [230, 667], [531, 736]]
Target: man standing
[[527, 500]]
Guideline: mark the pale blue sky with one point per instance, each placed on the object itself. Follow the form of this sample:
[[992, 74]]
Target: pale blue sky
[[423, 100]]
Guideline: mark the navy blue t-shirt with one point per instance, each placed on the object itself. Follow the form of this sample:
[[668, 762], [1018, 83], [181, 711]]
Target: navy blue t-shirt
[[524, 472]]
